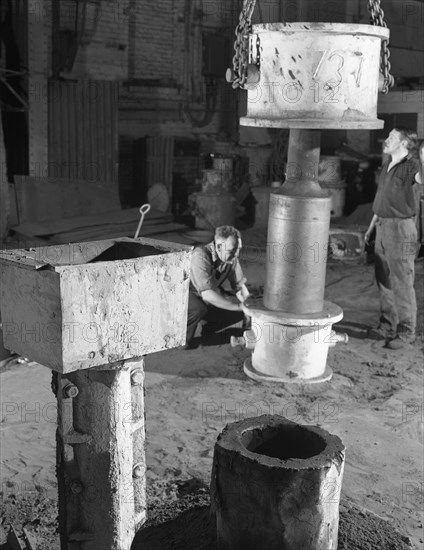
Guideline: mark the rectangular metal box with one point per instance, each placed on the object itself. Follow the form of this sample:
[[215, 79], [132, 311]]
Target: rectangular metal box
[[81, 305]]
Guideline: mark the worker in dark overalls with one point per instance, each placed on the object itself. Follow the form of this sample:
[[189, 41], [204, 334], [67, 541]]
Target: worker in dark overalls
[[395, 207]]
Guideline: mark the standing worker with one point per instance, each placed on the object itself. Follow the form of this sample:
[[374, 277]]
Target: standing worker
[[212, 265], [395, 208]]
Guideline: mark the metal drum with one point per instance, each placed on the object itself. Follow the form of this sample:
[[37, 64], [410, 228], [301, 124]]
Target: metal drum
[[223, 163], [298, 229], [338, 197], [315, 75], [215, 180], [330, 177], [329, 170], [214, 209], [262, 195]]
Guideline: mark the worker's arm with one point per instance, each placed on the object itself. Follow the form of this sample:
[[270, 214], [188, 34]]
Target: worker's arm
[[216, 299], [242, 293], [367, 235], [238, 282]]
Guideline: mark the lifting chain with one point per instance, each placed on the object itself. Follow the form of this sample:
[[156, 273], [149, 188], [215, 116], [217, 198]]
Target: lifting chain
[[377, 18], [244, 27], [241, 44]]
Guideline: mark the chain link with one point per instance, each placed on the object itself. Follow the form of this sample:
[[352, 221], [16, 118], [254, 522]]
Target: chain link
[[377, 18], [241, 44], [258, 52]]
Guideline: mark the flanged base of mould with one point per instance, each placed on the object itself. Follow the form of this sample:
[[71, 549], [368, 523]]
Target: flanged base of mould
[[313, 124], [287, 378]]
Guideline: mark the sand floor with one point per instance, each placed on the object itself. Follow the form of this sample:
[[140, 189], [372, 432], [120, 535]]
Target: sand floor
[[374, 402]]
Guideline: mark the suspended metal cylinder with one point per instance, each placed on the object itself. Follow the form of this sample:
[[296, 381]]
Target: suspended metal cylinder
[[298, 230], [315, 75]]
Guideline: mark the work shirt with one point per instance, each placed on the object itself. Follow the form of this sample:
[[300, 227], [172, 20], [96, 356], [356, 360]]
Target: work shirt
[[208, 272], [398, 193]]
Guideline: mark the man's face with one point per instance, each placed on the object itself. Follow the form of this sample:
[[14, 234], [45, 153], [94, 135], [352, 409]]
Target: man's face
[[227, 250], [393, 143]]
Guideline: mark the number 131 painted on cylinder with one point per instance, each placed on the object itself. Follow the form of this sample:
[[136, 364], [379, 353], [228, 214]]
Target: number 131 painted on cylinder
[[337, 60]]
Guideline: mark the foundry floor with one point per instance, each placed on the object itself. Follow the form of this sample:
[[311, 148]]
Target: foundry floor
[[374, 402]]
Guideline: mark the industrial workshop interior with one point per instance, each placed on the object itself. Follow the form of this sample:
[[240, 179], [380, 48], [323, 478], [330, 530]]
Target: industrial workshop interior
[[211, 274]]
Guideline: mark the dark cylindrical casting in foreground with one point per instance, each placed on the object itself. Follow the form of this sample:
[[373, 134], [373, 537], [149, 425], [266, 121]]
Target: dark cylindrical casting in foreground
[[276, 486]]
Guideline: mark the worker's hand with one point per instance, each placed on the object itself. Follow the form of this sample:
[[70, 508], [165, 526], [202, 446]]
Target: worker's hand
[[367, 235], [243, 294]]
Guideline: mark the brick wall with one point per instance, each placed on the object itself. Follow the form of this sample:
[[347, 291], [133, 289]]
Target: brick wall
[[167, 90], [151, 39], [98, 31]]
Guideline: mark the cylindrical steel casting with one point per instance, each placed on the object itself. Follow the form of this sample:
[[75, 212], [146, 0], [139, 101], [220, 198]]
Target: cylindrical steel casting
[[276, 486], [315, 75], [292, 350], [302, 164], [298, 229]]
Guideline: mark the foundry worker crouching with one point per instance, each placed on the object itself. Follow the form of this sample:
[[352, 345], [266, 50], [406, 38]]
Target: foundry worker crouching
[[212, 265]]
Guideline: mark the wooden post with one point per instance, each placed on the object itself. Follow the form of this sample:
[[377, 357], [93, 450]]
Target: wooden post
[[38, 67]]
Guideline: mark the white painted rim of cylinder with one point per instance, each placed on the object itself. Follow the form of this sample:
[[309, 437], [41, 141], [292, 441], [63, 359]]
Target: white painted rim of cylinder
[[315, 124], [323, 28], [252, 373], [331, 313]]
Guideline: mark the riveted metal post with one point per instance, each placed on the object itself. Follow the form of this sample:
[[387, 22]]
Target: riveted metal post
[[101, 458]]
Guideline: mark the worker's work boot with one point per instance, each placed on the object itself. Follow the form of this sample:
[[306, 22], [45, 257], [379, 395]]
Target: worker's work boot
[[188, 345], [401, 341]]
